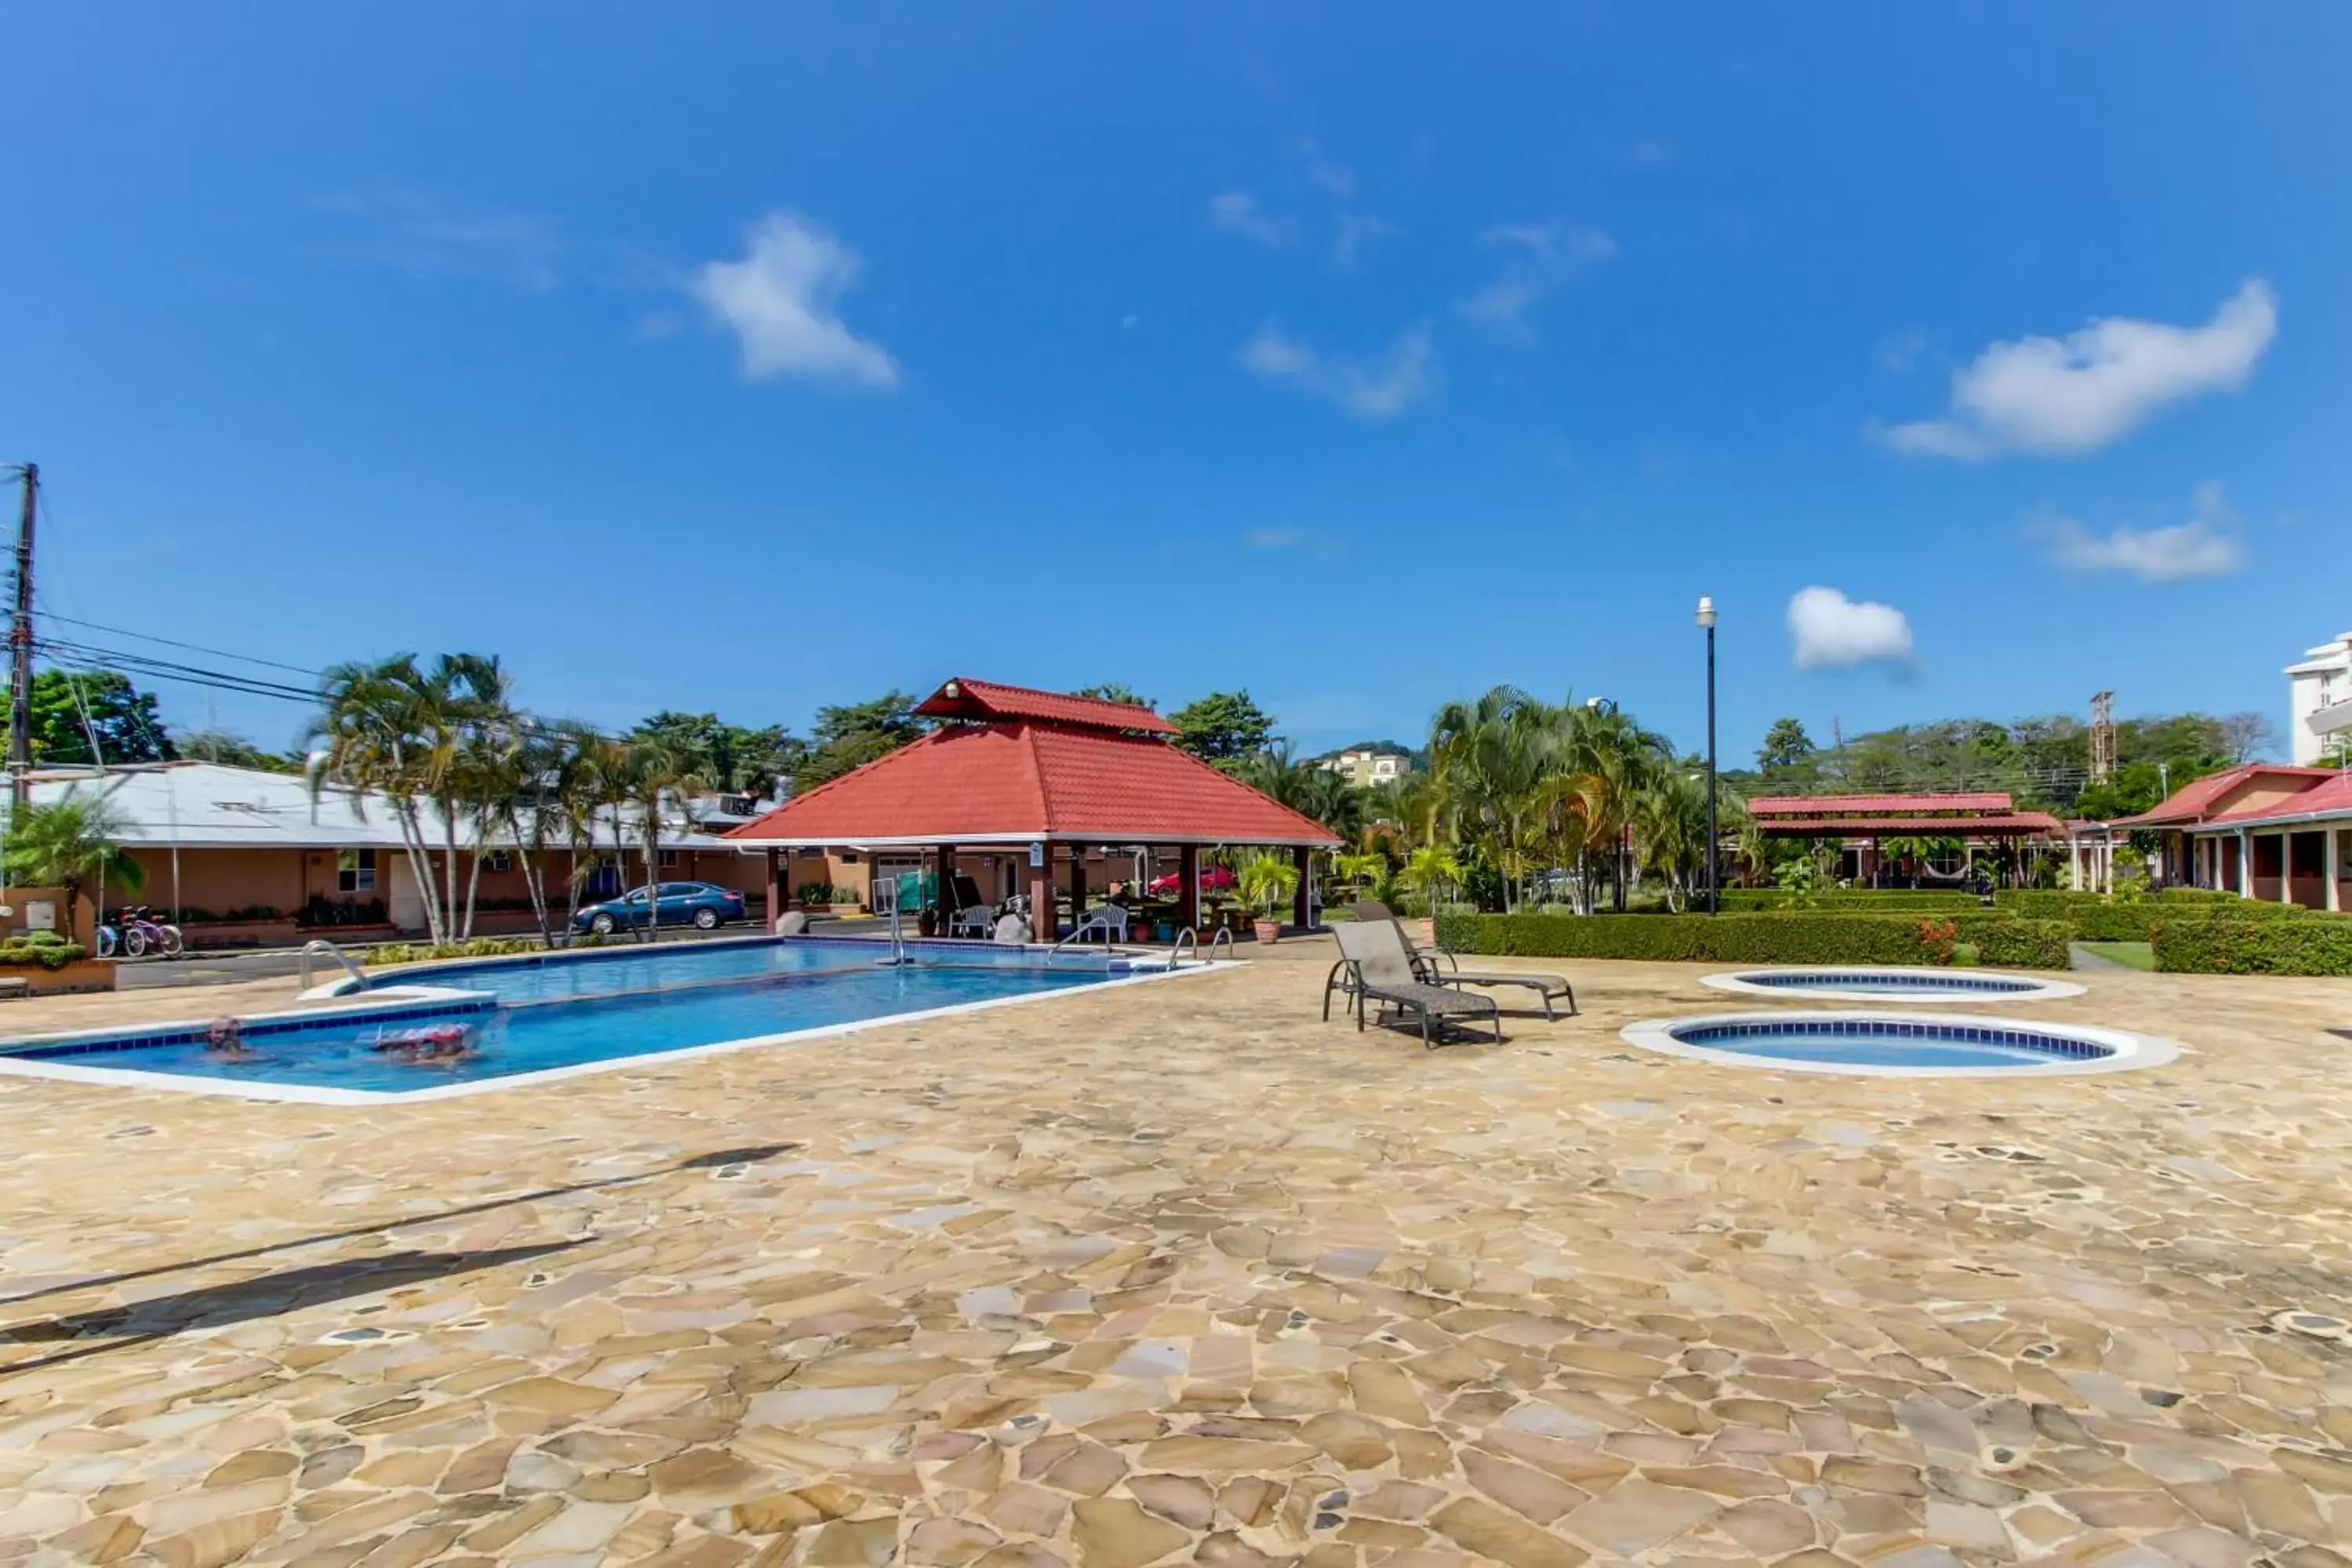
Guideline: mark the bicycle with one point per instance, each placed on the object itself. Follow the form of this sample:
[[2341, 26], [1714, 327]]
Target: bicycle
[[142, 934]]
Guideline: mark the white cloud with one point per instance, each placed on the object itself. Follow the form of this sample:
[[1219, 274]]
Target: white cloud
[[1238, 212], [1380, 391], [779, 302], [1539, 256], [2203, 546], [2058, 397], [1274, 538], [430, 236], [1333, 176], [1832, 632]]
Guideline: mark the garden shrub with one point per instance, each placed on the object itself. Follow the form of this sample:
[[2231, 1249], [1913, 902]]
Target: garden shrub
[[56, 952], [1748, 901], [473, 947], [2253, 947], [2008, 942]]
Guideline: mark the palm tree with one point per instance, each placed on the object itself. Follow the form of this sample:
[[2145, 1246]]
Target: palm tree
[[68, 843], [372, 735], [1670, 832], [656, 774], [1430, 869]]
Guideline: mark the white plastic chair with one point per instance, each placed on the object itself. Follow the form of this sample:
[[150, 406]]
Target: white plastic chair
[[976, 920], [1110, 920]]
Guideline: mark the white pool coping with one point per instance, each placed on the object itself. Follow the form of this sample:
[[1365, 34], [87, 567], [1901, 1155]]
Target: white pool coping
[[413, 995], [2131, 1051], [2034, 988]]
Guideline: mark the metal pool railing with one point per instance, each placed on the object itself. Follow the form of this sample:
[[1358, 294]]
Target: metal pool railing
[[317, 945]]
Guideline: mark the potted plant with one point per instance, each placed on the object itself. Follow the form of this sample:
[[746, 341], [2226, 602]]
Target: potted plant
[[1428, 872], [1267, 883]]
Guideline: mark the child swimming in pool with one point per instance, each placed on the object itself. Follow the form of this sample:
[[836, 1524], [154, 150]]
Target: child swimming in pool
[[226, 1037]]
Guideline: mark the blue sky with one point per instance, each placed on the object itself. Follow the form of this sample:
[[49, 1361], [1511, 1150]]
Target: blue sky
[[750, 358]]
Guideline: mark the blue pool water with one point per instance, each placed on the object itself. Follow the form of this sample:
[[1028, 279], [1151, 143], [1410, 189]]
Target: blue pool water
[[1886, 982], [1883, 1042], [543, 1013]]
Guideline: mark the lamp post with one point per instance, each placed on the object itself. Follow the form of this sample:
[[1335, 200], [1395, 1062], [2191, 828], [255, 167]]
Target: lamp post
[[1706, 619]]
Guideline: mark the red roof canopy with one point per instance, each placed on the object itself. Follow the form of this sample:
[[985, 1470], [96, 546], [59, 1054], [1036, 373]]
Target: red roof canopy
[[1017, 779], [985, 701], [1829, 804], [2004, 822], [2332, 794]]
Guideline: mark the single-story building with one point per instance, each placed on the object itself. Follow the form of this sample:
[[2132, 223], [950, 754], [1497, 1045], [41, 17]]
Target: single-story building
[[265, 853], [2262, 830]]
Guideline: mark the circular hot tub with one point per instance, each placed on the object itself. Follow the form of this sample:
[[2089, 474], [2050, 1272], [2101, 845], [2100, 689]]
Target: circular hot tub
[[1901, 1045], [1854, 983]]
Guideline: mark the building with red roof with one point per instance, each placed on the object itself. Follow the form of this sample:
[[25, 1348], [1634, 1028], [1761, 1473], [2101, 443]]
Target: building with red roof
[[1014, 786], [1861, 824], [2262, 830]]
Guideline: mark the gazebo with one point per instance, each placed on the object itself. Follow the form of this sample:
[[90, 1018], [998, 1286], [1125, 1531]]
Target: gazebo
[[1029, 780], [1859, 824]]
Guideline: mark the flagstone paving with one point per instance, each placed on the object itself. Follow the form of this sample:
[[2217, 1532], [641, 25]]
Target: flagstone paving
[[1177, 1273]]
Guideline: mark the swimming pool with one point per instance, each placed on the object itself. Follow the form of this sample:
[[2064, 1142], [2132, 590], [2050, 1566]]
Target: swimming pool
[[557, 1016], [1890, 985], [1900, 1045]]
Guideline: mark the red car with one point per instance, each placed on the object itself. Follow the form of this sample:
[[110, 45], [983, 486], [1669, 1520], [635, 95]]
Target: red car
[[1213, 879]]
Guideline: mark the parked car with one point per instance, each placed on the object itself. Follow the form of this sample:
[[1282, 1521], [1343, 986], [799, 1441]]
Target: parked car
[[697, 904], [1213, 879]]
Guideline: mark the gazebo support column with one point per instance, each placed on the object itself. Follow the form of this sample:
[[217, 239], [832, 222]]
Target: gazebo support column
[[1304, 859], [943, 890], [1041, 898], [1188, 887], [1077, 885], [775, 887]]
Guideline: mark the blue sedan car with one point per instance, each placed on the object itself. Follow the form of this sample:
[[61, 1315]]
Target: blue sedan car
[[697, 904]]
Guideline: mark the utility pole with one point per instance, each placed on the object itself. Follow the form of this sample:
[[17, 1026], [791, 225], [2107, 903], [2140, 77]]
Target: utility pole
[[20, 651]]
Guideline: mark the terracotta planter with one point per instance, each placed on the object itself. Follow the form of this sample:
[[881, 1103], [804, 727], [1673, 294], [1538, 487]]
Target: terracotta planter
[[1426, 931], [82, 974], [1267, 930], [927, 922]]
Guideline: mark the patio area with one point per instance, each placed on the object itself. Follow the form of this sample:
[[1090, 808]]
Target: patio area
[[1179, 1273]]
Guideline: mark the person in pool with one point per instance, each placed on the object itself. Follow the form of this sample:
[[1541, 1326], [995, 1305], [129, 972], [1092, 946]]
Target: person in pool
[[225, 1037]]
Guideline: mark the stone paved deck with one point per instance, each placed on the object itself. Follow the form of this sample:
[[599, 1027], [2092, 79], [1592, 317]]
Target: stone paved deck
[[1176, 1274]]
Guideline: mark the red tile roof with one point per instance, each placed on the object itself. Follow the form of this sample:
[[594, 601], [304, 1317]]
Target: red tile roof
[[987, 701], [2004, 821], [2193, 801], [2335, 793], [1011, 782], [1821, 804]]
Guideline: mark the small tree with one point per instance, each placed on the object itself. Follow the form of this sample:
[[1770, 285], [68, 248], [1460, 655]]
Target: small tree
[[70, 843], [1267, 883], [1223, 727], [1429, 871]]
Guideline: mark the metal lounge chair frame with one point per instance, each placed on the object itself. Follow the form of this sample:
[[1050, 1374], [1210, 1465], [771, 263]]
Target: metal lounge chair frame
[[1378, 968], [1427, 968]]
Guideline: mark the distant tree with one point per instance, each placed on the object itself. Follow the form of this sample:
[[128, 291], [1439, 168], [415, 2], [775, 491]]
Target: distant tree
[[1116, 691], [727, 756], [71, 707], [2243, 735], [231, 750], [848, 737], [1786, 745], [1222, 727]]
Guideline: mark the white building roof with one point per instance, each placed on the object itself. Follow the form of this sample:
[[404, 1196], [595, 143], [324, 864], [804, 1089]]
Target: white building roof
[[205, 806]]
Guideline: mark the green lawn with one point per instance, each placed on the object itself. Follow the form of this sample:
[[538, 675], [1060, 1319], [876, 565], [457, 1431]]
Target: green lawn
[[2130, 954]]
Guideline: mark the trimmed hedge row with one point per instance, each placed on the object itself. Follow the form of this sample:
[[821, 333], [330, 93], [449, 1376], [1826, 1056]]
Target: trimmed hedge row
[[1793, 938], [2253, 947], [1748, 900]]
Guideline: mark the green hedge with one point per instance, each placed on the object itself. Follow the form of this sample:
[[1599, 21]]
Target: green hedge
[[1790, 938], [1752, 900], [2094, 917], [23, 952], [2253, 947], [2008, 942]]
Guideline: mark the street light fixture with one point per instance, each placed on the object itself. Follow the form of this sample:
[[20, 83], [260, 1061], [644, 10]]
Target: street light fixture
[[1706, 620]]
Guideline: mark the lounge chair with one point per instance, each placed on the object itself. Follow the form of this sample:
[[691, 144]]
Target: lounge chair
[[1440, 966], [1379, 970]]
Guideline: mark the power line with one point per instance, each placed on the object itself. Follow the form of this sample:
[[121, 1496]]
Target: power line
[[188, 647]]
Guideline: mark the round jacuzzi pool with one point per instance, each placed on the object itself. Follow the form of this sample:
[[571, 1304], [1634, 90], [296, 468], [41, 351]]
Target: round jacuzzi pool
[[1900, 1045], [1854, 984]]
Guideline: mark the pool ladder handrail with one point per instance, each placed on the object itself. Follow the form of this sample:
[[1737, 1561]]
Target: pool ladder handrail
[[897, 939], [317, 945], [1223, 934], [1186, 938]]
